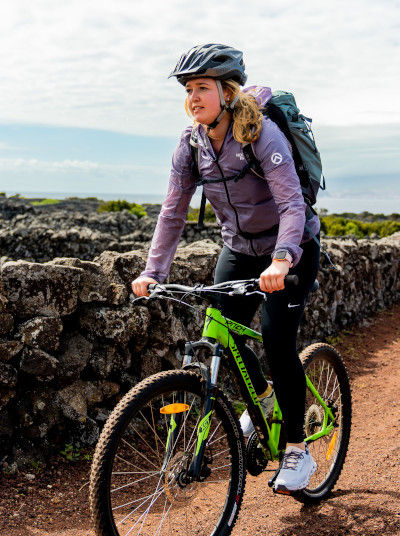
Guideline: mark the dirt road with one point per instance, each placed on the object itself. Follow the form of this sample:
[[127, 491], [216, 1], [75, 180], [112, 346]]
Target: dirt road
[[366, 500]]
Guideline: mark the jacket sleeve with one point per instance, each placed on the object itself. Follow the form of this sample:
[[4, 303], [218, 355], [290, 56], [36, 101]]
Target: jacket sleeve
[[172, 218], [273, 151]]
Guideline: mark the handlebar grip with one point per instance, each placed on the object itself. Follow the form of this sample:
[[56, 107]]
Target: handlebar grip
[[292, 280]]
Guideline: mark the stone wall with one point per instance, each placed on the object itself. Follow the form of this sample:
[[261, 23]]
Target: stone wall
[[75, 229], [72, 342]]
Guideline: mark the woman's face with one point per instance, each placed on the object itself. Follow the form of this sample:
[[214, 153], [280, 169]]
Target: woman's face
[[203, 99]]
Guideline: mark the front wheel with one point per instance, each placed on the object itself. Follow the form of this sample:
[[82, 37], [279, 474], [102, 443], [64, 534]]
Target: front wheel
[[140, 479], [327, 372]]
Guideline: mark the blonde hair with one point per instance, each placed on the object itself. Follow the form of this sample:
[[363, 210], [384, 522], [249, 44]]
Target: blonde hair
[[247, 117]]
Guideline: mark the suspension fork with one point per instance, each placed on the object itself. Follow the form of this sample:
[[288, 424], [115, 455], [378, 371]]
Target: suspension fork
[[203, 429]]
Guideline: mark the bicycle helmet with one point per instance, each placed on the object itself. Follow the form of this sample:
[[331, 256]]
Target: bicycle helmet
[[220, 62], [213, 61]]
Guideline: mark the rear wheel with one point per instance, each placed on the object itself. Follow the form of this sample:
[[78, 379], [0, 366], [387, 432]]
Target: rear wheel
[[136, 487], [326, 370]]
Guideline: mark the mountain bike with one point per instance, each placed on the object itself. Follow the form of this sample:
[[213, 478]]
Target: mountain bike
[[172, 459]]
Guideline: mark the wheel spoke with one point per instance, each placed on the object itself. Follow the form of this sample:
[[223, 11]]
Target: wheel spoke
[[324, 368], [137, 452], [151, 495], [131, 483]]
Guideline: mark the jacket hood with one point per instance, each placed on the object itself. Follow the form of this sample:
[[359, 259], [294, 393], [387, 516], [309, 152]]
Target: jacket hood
[[262, 94]]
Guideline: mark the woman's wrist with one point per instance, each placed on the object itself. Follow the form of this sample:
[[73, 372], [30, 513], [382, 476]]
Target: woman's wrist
[[282, 262], [282, 255]]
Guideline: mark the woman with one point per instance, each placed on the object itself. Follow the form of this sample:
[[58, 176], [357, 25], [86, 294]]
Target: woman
[[262, 223]]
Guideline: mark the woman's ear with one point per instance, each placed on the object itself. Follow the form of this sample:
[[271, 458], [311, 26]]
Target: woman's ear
[[227, 95]]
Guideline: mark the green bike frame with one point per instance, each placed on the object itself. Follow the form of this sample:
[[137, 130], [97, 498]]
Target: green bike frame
[[217, 334]]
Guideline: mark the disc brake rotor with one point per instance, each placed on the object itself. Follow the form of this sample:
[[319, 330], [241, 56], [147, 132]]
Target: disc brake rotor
[[176, 485]]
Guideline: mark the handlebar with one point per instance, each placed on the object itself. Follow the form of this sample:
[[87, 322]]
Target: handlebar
[[243, 287]]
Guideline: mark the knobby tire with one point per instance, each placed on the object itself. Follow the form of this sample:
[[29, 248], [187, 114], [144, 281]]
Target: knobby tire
[[131, 442]]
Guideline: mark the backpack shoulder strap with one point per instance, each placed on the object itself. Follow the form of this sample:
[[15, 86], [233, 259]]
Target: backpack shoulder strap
[[194, 149], [251, 159]]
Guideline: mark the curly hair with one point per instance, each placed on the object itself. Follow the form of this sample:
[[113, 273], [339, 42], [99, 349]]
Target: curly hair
[[247, 117]]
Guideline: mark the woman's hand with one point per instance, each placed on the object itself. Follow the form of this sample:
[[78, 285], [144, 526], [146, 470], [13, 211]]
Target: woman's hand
[[272, 278], [140, 284]]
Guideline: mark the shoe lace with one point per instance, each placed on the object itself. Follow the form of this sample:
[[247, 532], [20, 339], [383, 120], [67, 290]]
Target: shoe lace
[[267, 401], [291, 459]]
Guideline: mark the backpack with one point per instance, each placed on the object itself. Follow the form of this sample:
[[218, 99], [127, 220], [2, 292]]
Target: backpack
[[282, 109]]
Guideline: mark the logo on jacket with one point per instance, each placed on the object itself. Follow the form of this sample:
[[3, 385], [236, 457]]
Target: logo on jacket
[[276, 158], [240, 156]]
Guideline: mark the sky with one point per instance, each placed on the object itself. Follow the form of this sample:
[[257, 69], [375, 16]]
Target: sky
[[87, 107]]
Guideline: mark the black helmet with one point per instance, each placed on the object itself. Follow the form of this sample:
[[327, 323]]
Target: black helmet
[[213, 61]]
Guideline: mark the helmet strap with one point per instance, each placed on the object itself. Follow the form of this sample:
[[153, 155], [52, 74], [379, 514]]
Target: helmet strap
[[224, 106]]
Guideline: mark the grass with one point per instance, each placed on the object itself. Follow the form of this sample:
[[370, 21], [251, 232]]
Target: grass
[[43, 202]]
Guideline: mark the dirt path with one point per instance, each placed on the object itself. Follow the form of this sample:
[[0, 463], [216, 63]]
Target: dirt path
[[366, 500]]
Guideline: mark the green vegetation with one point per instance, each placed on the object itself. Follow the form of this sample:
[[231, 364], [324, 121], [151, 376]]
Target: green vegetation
[[37, 466], [362, 216], [361, 225], [334, 340], [75, 198], [73, 453], [340, 226], [43, 202], [193, 214], [121, 204], [239, 407]]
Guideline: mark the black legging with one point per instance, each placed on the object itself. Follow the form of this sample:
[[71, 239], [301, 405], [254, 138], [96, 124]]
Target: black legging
[[281, 315]]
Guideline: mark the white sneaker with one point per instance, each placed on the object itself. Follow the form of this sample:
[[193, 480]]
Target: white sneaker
[[297, 468], [267, 404]]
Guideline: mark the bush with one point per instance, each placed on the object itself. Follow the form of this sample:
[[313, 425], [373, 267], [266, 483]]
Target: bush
[[122, 204], [193, 214], [43, 202], [340, 226]]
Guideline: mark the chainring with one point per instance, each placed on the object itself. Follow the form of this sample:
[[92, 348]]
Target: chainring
[[256, 460]]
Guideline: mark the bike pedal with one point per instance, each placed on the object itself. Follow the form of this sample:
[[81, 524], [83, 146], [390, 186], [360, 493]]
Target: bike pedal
[[294, 493], [271, 481], [281, 491]]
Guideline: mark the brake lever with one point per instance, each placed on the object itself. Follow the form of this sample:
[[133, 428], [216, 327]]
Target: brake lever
[[242, 289], [263, 294], [154, 294], [133, 300]]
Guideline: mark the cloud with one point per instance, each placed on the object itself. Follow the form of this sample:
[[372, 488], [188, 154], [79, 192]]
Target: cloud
[[104, 64], [4, 146], [79, 176], [71, 166]]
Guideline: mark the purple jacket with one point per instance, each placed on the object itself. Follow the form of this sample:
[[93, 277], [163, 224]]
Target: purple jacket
[[260, 203]]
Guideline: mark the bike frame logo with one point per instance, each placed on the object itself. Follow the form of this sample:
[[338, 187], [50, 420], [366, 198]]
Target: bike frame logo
[[203, 429], [245, 375], [237, 327]]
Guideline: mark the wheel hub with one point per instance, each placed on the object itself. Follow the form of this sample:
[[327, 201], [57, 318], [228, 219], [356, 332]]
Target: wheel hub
[[313, 420], [178, 483]]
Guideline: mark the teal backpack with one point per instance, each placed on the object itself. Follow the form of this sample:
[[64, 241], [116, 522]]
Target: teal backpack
[[282, 109]]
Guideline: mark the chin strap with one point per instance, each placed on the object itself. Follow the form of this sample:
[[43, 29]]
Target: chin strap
[[224, 106]]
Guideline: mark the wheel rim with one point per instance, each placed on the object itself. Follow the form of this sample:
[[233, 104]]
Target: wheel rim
[[325, 450], [149, 492]]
